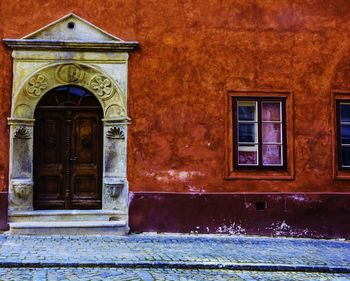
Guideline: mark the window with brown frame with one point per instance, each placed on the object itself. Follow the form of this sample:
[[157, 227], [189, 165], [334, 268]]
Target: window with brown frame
[[259, 133], [343, 134]]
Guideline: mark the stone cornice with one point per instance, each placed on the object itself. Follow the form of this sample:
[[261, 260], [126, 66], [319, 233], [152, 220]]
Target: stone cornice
[[120, 120], [20, 121], [71, 45]]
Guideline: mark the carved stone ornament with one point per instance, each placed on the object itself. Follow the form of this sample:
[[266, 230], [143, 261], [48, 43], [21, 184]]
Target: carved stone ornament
[[21, 195], [115, 133], [114, 186], [22, 133], [115, 109], [22, 190], [115, 189], [36, 85], [69, 73], [102, 86]]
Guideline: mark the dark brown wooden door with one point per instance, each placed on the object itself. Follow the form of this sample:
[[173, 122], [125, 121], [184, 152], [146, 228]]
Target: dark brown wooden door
[[67, 157]]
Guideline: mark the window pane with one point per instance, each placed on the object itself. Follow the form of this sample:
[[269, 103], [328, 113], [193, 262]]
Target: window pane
[[345, 134], [272, 155], [248, 155], [247, 110], [247, 132], [345, 112], [271, 111], [345, 155], [271, 132]]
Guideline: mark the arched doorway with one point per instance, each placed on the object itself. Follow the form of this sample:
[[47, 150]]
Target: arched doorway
[[86, 58], [68, 148]]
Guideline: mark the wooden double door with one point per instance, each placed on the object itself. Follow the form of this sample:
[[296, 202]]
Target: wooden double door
[[67, 157]]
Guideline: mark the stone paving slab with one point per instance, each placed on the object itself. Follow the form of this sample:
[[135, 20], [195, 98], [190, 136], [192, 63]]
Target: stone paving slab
[[112, 274], [177, 251]]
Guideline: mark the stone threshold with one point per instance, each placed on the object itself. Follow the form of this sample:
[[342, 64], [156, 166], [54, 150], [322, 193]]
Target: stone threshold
[[69, 227], [64, 212], [67, 215], [68, 222]]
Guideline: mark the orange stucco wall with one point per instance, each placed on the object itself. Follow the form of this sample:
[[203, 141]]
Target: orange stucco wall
[[191, 52]]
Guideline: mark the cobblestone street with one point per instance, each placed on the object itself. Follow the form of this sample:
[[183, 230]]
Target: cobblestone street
[[172, 257], [109, 274]]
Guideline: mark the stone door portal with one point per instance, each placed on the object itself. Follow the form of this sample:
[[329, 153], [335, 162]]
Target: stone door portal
[[68, 150], [69, 128]]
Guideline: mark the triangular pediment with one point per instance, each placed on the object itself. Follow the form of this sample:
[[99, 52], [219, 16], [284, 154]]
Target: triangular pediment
[[74, 33], [71, 28]]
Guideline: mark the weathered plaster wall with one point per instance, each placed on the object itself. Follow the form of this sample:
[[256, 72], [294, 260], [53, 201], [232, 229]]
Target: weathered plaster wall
[[191, 53], [274, 214]]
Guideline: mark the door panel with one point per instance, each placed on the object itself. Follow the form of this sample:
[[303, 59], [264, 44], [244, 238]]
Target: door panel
[[49, 160], [86, 152], [67, 159]]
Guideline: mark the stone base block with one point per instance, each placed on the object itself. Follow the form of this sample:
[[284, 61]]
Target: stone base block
[[67, 215], [70, 228]]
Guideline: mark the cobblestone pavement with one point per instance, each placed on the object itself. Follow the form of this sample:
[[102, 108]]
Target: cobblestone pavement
[[172, 257], [109, 274]]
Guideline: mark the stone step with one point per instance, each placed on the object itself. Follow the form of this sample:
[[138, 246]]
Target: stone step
[[66, 215], [69, 228]]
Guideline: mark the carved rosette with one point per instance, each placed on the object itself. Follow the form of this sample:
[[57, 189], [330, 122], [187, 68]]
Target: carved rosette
[[22, 133], [102, 86], [69, 73], [115, 133], [36, 85], [106, 89]]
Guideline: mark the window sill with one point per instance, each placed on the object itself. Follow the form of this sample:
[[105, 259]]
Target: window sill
[[341, 175]]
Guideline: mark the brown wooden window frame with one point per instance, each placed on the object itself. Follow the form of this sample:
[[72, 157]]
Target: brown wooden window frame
[[235, 171], [339, 172], [339, 138], [260, 165]]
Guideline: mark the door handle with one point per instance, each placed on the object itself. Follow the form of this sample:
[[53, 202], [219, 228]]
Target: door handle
[[72, 159]]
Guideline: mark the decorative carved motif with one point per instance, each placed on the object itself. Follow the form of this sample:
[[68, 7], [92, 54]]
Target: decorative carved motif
[[102, 86], [114, 189], [22, 133], [36, 85], [22, 190], [111, 96], [69, 73], [115, 133], [23, 110], [21, 195], [115, 110]]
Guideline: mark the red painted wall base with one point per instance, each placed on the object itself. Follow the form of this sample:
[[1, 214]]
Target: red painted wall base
[[3, 211], [282, 214]]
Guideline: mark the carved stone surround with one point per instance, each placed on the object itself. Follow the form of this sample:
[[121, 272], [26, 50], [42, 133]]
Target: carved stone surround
[[50, 58]]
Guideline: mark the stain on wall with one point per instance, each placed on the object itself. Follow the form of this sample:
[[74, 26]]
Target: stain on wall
[[192, 52]]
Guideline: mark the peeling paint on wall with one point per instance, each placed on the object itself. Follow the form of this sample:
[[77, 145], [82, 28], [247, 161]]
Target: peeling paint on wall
[[232, 229], [174, 175]]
